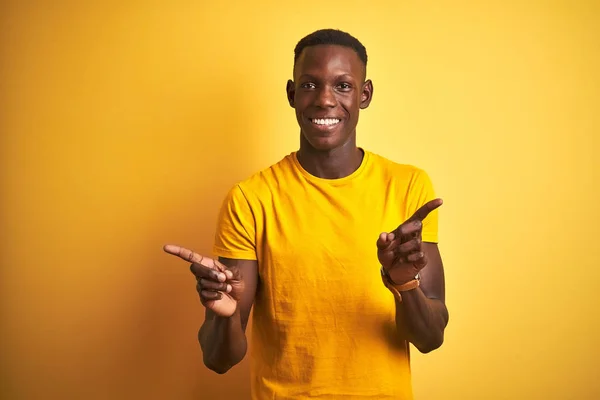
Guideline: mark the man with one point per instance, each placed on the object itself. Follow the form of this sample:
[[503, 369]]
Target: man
[[336, 302]]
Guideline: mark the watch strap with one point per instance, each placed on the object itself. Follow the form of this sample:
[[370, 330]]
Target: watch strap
[[397, 289]]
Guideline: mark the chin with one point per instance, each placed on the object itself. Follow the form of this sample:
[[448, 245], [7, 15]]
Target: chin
[[322, 142], [323, 146]]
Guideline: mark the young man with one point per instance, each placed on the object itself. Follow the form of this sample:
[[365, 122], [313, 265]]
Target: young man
[[336, 302]]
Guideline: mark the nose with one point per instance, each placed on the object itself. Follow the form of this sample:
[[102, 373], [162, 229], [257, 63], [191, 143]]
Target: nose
[[325, 98]]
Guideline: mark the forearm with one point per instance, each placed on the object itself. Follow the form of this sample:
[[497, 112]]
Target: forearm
[[423, 319], [223, 342]]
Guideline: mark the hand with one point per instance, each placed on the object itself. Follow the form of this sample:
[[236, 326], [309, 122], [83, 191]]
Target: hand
[[400, 252], [220, 288]]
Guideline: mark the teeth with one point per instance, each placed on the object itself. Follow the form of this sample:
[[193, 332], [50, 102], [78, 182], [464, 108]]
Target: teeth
[[325, 121]]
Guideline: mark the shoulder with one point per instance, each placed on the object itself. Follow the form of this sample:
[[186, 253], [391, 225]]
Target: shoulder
[[264, 182], [397, 171]]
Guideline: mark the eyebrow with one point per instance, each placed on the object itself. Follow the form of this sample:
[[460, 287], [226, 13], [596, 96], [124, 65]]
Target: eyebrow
[[312, 77]]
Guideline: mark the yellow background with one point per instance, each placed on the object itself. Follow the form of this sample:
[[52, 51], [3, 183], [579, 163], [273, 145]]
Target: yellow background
[[122, 126]]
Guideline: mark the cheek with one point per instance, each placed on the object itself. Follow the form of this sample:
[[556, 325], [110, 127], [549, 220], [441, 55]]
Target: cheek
[[351, 102], [302, 101], [352, 108]]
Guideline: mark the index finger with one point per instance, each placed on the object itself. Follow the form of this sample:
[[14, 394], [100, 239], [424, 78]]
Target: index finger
[[202, 267], [184, 254], [425, 209]]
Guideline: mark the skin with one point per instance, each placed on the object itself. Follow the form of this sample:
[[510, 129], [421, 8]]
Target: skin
[[403, 255], [329, 82], [227, 289]]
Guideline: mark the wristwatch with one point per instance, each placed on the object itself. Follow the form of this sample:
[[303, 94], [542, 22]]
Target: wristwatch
[[398, 289]]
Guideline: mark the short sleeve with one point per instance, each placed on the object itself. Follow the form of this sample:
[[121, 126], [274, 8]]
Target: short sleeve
[[422, 191], [235, 235]]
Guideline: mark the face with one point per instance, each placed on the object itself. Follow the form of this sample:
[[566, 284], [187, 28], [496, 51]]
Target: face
[[328, 91]]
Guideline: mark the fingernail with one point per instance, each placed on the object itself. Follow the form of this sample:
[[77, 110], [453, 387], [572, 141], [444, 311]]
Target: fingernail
[[229, 288], [417, 224], [229, 274]]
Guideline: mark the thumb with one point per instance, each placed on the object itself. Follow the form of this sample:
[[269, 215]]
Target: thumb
[[384, 240]]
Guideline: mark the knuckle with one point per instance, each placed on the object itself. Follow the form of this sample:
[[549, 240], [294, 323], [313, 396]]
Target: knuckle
[[190, 256], [208, 284]]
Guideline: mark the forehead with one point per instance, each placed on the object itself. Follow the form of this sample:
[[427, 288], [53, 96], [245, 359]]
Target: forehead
[[329, 60]]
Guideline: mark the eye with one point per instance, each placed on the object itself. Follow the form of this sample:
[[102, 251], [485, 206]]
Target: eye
[[308, 85], [344, 86]]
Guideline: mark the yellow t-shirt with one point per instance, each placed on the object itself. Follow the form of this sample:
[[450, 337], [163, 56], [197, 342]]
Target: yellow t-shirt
[[323, 322]]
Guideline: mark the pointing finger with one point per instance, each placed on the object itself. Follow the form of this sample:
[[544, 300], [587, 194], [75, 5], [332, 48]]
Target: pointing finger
[[191, 256], [183, 253], [424, 211], [200, 264], [201, 267], [408, 229]]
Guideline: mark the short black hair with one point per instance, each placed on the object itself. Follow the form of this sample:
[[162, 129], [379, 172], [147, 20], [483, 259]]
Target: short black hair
[[331, 37]]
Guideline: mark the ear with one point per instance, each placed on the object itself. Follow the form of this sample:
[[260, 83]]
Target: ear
[[291, 92], [367, 94]]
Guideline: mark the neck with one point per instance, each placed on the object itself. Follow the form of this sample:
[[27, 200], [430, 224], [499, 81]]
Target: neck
[[330, 164]]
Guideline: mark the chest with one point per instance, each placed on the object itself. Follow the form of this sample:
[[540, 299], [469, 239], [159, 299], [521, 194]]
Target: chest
[[324, 236], [317, 253]]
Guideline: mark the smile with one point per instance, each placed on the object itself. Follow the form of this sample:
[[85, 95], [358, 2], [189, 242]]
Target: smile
[[325, 121]]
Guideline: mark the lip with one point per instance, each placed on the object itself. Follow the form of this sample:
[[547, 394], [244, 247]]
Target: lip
[[324, 128], [325, 117]]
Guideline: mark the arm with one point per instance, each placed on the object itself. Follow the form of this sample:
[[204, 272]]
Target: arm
[[423, 311], [223, 339]]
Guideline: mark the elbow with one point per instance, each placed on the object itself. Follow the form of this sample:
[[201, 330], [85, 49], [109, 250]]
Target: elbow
[[221, 365], [432, 338], [221, 370], [433, 344]]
